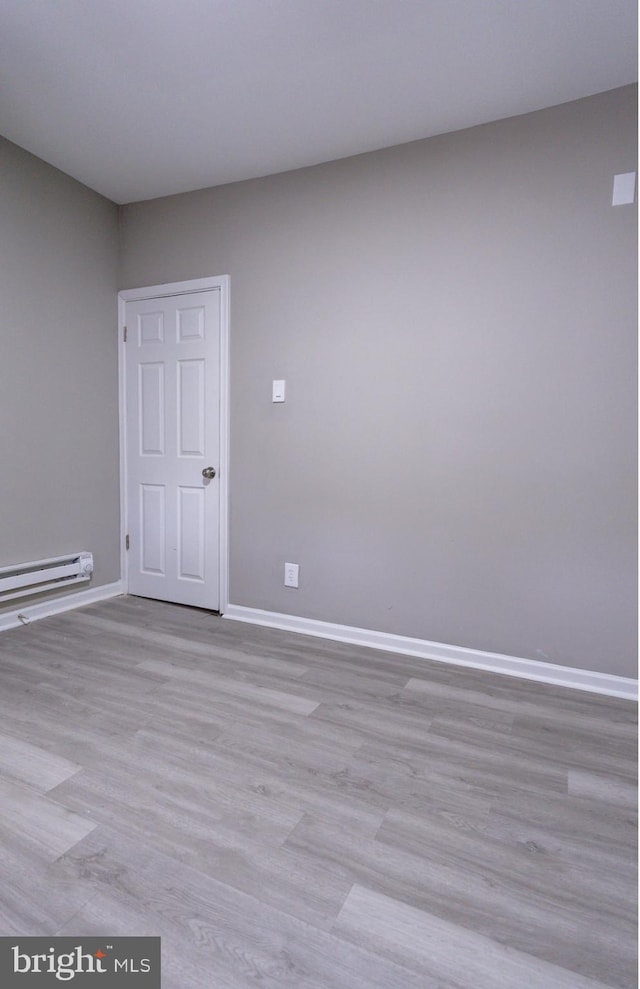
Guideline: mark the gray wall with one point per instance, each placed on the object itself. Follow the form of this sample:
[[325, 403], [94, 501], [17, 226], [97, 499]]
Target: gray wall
[[456, 323], [58, 367]]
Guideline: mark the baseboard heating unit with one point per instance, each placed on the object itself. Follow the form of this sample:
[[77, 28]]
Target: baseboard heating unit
[[22, 579]]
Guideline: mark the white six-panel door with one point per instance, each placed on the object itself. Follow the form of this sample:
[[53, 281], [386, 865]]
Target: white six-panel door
[[172, 375]]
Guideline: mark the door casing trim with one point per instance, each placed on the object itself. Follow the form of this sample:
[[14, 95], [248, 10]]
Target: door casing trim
[[220, 282]]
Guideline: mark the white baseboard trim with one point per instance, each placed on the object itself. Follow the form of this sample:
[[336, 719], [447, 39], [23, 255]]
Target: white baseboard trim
[[54, 606], [527, 669]]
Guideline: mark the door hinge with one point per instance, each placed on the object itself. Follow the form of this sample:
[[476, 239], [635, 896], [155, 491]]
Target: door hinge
[[126, 541], [125, 334]]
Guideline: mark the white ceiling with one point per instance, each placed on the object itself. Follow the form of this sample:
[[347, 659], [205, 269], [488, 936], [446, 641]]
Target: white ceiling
[[143, 98]]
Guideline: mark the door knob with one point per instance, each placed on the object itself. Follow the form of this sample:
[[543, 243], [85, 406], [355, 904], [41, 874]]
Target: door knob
[[209, 472]]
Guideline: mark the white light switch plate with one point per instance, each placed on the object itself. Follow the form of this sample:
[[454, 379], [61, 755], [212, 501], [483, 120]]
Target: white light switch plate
[[624, 189], [278, 391]]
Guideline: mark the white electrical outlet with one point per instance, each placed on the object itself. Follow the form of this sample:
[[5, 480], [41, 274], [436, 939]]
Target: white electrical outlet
[[291, 571]]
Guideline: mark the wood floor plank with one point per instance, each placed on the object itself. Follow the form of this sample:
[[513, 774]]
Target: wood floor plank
[[505, 897], [375, 721], [39, 823], [609, 789], [191, 649], [446, 955], [587, 928], [214, 936], [579, 828], [24, 762], [574, 707], [555, 745], [35, 900], [238, 688], [233, 835], [490, 771], [182, 807]]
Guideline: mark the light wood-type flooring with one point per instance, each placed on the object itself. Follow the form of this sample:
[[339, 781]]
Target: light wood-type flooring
[[290, 811]]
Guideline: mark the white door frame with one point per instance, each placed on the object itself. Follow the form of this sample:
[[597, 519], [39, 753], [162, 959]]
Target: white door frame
[[220, 282]]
